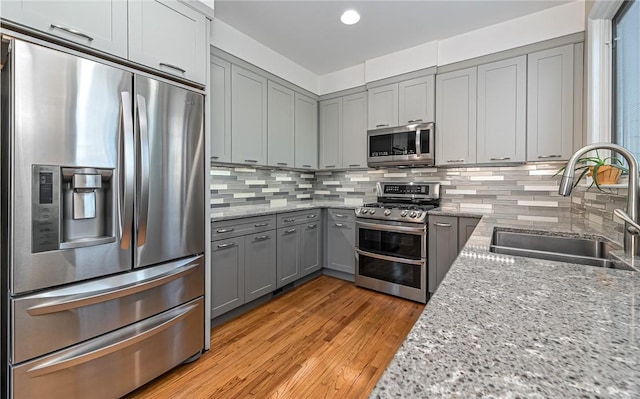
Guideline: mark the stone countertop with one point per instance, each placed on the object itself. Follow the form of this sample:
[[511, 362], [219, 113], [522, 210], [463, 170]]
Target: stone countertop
[[505, 327], [220, 214]]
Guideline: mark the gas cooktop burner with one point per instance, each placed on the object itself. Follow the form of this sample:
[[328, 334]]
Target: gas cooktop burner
[[404, 202]]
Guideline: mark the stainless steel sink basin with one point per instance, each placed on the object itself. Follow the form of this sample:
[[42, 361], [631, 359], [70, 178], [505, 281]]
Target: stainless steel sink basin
[[591, 250]]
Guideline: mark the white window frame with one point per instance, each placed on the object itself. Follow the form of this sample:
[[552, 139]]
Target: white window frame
[[599, 70]]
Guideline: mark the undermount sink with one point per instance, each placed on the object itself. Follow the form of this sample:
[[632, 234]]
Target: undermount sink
[[562, 247]]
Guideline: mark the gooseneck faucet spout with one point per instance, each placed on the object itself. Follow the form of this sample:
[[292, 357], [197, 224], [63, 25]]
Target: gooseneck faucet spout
[[631, 233]]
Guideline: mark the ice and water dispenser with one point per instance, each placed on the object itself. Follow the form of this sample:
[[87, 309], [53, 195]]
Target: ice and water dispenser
[[72, 207]]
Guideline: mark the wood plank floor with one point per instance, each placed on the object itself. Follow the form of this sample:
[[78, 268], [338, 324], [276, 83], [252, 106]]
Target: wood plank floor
[[325, 339]]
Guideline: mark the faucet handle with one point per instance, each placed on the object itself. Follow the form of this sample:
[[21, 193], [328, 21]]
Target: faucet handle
[[634, 228]]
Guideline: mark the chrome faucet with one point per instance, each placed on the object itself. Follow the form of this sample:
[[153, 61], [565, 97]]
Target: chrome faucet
[[631, 226]]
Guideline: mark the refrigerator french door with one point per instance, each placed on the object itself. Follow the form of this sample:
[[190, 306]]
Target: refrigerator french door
[[103, 225]]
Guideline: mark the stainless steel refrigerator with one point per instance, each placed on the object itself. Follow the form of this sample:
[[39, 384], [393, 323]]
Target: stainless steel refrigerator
[[103, 220]]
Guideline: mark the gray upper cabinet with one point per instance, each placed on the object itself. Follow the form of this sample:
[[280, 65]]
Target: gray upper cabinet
[[331, 133], [220, 102], [501, 128], [456, 117], [416, 100], [280, 125], [169, 36], [550, 95], [306, 132], [260, 264], [248, 117], [383, 106], [354, 130], [99, 25]]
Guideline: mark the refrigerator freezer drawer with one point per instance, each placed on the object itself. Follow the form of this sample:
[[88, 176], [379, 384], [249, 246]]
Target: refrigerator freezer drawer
[[58, 318], [116, 363]]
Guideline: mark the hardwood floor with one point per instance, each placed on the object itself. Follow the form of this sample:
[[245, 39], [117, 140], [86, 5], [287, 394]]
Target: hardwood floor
[[325, 339]]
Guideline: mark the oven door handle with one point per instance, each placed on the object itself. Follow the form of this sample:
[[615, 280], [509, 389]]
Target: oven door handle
[[387, 227], [418, 262]]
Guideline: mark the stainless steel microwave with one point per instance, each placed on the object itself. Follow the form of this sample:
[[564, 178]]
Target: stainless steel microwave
[[410, 145]]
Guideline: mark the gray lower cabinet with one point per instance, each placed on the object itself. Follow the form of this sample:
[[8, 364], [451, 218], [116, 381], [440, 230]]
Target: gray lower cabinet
[[259, 265], [341, 239], [227, 275], [299, 245], [447, 236]]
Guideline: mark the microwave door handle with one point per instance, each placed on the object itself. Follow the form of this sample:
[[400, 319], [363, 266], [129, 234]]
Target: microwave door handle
[[125, 202], [418, 143], [143, 191], [432, 141]]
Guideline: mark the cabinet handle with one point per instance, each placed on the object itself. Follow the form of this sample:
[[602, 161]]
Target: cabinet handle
[[312, 226], [224, 231], [288, 220], [251, 160], [442, 224], [289, 231], [306, 166], [282, 164], [339, 225], [330, 166], [501, 159], [228, 245], [549, 156], [214, 157], [339, 215], [383, 125], [311, 216], [414, 120], [72, 31], [262, 238], [353, 165], [455, 160], [260, 224], [173, 67]]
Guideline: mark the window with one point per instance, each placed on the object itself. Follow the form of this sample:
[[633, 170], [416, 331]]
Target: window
[[626, 77]]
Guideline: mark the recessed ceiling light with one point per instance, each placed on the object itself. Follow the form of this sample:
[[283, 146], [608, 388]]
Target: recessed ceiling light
[[350, 17]]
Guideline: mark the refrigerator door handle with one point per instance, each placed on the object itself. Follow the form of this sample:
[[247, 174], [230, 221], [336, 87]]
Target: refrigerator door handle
[[125, 202], [81, 298], [104, 346], [143, 190]]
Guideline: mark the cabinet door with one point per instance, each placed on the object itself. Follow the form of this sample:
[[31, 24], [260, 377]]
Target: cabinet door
[[220, 102], [331, 133], [248, 117], [100, 25], [260, 265], [416, 100], [354, 130], [227, 275], [443, 247], [310, 248], [465, 229], [306, 132], [288, 264], [341, 252], [550, 104], [456, 117], [280, 125], [383, 106], [502, 111], [169, 36]]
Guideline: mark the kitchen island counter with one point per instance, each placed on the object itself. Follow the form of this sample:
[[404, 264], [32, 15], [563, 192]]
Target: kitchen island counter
[[505, 326]]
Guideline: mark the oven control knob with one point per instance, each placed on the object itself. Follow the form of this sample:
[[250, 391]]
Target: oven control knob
[[387, 212], [403, 213], [418, 214], [364, 211], [412, 214], [371, 212]]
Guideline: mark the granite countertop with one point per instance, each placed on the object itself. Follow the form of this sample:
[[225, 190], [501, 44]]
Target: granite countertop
[[220, 214], [506, 327]]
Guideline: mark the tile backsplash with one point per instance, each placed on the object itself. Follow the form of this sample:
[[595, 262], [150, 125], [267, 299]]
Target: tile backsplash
[[519, 194]]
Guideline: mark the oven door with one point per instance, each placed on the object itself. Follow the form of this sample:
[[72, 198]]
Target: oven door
[[405, 278], [397, 240]]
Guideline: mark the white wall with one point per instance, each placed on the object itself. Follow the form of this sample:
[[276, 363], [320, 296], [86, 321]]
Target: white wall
[[547, 24]]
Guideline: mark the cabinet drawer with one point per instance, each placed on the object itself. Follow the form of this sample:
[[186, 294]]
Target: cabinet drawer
[[342, 215], [239, 227], [298, 217]]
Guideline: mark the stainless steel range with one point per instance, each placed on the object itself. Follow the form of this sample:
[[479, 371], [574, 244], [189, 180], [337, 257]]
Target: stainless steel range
[[391, 239]]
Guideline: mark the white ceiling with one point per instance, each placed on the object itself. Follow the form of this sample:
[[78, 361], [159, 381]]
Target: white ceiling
[[310, 33]]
